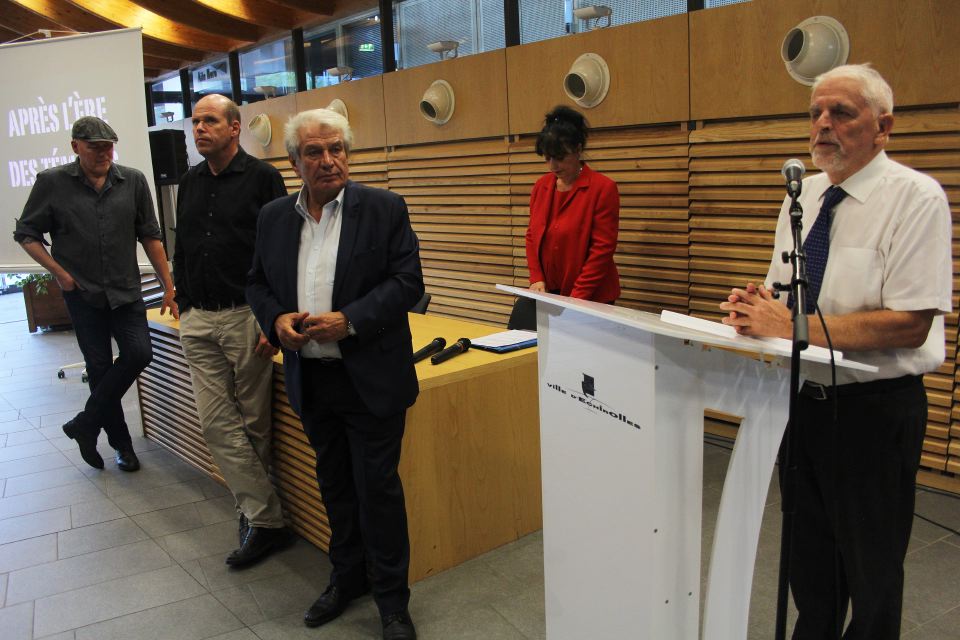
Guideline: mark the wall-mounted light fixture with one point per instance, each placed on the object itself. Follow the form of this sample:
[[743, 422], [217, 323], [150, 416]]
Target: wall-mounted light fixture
[[814, 46], [267, 91], [595, 13], [344, 74], [588, 80], [446, 48], [339, 106], [438, 102], [259, 127]]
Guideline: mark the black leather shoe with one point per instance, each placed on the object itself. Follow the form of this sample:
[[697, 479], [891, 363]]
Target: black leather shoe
[[127, 460], [243, 528], [398, 626], [330, 605], [258, 543], [86, 442]]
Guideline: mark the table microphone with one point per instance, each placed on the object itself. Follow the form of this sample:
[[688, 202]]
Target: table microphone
[[429, 350], [455, 349]]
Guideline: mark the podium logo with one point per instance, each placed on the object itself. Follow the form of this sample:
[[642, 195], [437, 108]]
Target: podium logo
[[586, 396], [588, 386]]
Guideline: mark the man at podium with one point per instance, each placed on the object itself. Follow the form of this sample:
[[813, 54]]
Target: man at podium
[[878, 263]]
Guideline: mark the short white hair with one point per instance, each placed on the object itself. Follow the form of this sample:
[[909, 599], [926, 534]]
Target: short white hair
[[315, 117], [873, 87]]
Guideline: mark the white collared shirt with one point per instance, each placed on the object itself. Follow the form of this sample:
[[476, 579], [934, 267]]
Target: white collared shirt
[[317, 265], [890, 248]]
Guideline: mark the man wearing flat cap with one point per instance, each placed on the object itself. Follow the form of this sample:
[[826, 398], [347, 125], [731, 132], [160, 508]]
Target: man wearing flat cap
[[95, 212]]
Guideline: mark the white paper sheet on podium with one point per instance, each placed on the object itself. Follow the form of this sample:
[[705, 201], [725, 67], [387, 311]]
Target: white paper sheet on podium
[[718, 329]]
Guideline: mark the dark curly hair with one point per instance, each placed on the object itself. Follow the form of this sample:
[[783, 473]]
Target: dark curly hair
[[564, 130]]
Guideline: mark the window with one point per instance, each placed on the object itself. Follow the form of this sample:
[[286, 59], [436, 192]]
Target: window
[[167, 99], [544, 19], [475, 25], [267, 71], [320, 53], [212, 77], [346, 49], [362, 50], [627, 11], [710, 4]]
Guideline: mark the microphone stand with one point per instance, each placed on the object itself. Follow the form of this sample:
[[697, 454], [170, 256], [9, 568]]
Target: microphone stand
[[801, 340]]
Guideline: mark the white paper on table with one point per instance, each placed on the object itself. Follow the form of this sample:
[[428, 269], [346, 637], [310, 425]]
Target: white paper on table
[[504, 338]]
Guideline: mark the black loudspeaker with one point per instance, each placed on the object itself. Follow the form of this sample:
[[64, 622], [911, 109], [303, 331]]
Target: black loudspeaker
[[168, 148]]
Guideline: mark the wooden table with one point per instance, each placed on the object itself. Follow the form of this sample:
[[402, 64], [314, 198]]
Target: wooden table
[[471, 451]]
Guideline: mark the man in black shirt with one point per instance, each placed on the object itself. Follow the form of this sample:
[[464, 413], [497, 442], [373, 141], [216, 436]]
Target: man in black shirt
[[95, 211], [230, 361]]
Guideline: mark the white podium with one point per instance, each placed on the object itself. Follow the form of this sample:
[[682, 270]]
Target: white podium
[[622, 396]]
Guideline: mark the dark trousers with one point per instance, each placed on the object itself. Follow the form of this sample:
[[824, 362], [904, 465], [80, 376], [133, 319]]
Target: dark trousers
[[109, 379], [357, 458], [855, 495]]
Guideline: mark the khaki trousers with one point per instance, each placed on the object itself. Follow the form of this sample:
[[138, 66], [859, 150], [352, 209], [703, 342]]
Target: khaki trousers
[[232, 386]]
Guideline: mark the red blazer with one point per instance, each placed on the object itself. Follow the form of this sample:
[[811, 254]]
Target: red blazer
[[584, 233]]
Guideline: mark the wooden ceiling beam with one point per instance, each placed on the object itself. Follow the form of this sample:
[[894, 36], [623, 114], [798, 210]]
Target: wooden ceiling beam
[[15, 16], [260, 12], [124, 13], [194, 15], [318, 7], [159, 62], [58, 14], [6, 35]]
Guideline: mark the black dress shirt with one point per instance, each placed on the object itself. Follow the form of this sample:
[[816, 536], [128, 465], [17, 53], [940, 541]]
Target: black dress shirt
[[94, 235], [217, 227]]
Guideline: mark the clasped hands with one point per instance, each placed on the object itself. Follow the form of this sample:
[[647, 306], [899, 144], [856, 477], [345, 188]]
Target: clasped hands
[[297, 329], [753, 311]]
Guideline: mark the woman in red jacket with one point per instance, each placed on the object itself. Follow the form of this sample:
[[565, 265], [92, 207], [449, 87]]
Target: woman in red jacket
[[574, 217]]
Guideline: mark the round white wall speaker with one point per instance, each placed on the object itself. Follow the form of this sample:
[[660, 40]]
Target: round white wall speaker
[[259, 127], [438, 102], [814, 46], [588, 80]]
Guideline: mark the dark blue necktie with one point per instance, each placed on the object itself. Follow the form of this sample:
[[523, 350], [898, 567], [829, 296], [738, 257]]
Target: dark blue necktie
[[816, 247]]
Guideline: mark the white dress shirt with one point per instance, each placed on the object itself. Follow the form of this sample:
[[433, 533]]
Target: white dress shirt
[[317, 265], [889, 249]]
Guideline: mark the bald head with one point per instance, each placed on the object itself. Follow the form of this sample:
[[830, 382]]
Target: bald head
[[216, 130]]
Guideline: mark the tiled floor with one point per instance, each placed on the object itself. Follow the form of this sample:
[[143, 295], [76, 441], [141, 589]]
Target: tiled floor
[[103, 554]]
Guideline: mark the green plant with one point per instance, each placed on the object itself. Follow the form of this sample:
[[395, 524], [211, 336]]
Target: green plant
[[39, 281]]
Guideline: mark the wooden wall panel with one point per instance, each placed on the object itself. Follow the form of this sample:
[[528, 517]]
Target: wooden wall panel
[[458, 195], [480, 89], [649, 81], [279, 111], [736, 70], [650, 169], [364, 100]]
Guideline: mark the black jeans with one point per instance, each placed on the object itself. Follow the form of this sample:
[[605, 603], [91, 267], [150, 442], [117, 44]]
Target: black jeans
[[357, 458], [855, 493], [109, 379]]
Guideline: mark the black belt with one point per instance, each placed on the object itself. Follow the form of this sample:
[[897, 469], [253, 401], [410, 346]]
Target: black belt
[[220, 306], [324, 362], [817, 391]]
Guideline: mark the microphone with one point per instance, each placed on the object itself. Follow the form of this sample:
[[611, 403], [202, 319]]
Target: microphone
[[458, 347], [792, 172], [429, 350]]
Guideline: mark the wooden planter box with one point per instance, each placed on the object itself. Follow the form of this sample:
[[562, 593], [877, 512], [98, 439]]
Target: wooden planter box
[[47, 310]]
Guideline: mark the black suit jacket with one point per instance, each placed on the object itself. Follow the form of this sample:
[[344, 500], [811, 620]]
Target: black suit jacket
[[377, 280]]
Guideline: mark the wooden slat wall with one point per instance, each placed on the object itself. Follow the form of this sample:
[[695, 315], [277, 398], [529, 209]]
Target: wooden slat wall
[[650, 168], [175, 425], [458, 195], [735, 196]]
